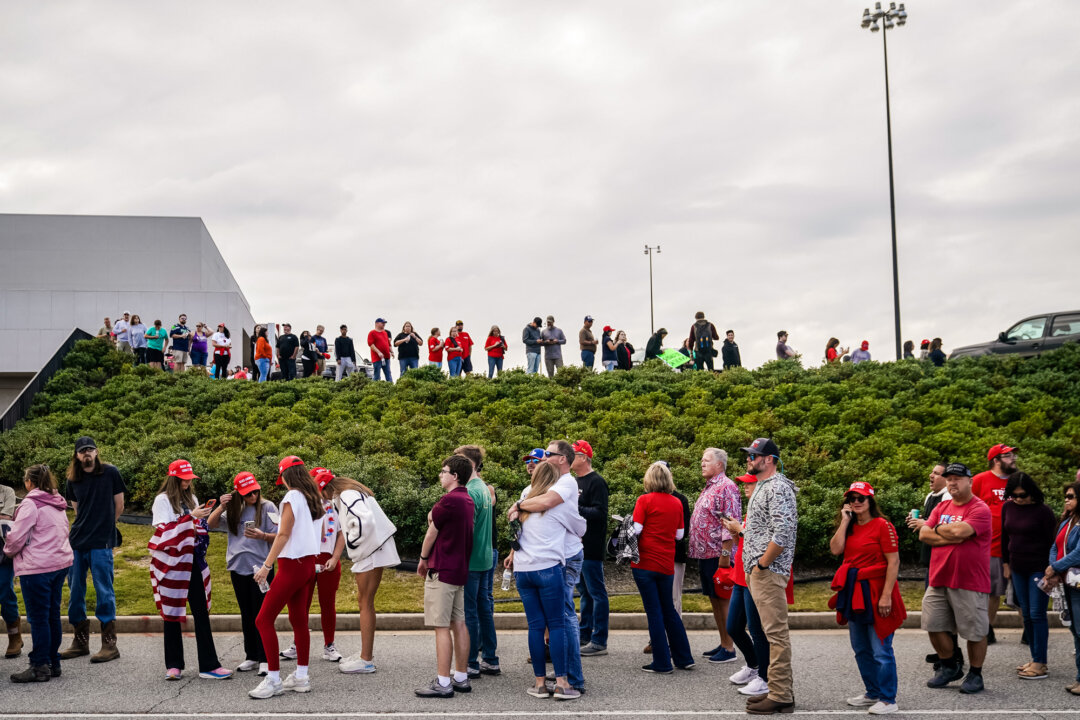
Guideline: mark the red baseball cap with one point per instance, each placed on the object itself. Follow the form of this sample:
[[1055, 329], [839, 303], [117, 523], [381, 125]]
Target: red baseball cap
[[999, 449], [582, 446], [285, 464], [747, 478], [245, 483], [861, 488], [865, 344], [182, 469], [321, 476]]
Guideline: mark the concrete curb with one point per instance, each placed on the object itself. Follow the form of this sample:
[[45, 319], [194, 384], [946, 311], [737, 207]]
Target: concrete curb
[[403, 622]]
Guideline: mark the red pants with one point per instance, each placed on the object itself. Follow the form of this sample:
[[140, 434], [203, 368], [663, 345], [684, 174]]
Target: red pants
[[293, 585], [328, 586]]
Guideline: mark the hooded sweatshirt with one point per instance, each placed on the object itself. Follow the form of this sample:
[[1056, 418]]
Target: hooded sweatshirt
[[38, 539]]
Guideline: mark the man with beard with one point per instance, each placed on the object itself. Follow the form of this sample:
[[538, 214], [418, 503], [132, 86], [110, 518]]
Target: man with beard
[[180, 337], [96, 492], [989, 486]]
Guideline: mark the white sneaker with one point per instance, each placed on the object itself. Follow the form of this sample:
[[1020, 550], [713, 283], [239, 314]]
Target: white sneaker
[[247, 666], [296, 684], [757, 686], [289, 653], [356, 664], [330, 653], [263, 669], [268, 688], [861, 701], [744, 676], [883, 708]]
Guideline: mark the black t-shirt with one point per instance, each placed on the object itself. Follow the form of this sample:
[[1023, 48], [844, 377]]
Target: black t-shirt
[[593, 506], [308, 351], [95, 517], [286, 346], [681, 546], [409, 349], [343, 348]]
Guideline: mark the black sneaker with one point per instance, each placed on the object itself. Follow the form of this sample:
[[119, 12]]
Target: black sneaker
[[944, 676], [710, 653], [463, 686], [933, 659], [472, 672], [650, 668], [972, 684], [56, 671]]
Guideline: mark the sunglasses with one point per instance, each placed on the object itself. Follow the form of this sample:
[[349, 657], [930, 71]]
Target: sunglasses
[[1069, 496], [852, 499], [1019, 496], [752, 457], [548, 453]]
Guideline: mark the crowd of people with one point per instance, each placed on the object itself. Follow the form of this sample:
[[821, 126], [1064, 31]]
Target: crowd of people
[[979, 534], [179, 347]]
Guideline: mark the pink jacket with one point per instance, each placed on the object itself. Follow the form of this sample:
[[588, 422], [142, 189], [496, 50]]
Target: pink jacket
[[38, 539]]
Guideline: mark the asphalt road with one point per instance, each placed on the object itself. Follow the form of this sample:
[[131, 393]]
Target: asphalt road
[[824, 670]]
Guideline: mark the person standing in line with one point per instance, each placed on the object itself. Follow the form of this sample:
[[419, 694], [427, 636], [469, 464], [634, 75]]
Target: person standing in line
[[378, 341], [444, 565], [155, 344], [989, 486], [180, 338], [702, 336], [137, 333], [40, 554], [264, 354], [682, 554], [179, 519], [122, 328], [408, 343], [712, 544], [607, 350], [222, 342], [833, 351], [924, 349], [496, 347], [593, 506], [369, 542], [772, 522], [958, 532], [587, 343], [862, 354], [250, 533], [1064, 555], [453, 353], [307, 354], [552, 339], [1027, 534], [327, 567], [868, 598], [9, 602], [96, 493], [321, 349], [294, 549], [479, 597], [783, 350], [435, 348], [531, 338], [345, 354], [730, 351], [466, 342], [199, 350], [654, 348], [108, 332], [936, 354], [288, 347], [624, 351]]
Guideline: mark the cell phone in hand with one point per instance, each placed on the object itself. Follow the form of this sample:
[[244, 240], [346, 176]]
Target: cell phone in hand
[[249, 525], [210, 503]]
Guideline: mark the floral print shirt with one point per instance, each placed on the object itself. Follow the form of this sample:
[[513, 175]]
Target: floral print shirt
[[707, 532]]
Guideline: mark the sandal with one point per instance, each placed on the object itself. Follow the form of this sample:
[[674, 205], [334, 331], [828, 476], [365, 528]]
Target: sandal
[[1074, 689], [1034, 671]]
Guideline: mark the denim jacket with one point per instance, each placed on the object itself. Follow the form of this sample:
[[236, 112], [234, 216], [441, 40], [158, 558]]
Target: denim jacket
[[1072, 550]]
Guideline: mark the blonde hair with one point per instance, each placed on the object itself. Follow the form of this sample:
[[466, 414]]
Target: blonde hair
[[544, 478], [658, 479], [340, 484]]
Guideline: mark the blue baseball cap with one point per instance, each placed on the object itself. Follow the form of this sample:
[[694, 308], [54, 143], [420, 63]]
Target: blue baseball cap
[[535, 455], [380, 320]]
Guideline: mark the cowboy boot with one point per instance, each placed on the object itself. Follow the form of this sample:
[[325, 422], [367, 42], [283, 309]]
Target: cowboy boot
[[14, 640], [80, 644], [108, 644]]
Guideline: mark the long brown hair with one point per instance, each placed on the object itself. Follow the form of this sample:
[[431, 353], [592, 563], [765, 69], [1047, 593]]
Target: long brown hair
[[41, 477], [872, 507], [75, 471], [340, 484], [235, 509], [177, 496], [297, 478], [1075, 487], [544, 478]]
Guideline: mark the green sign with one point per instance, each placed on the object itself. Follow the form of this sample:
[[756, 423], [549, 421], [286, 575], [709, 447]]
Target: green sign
[[674, 358]]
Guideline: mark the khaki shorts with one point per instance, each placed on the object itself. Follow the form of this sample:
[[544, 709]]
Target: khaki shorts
[[181, 356], [998, 583], [443, 603], [957, 611]]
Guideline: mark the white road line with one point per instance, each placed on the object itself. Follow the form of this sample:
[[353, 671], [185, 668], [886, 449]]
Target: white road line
[[520, 713]]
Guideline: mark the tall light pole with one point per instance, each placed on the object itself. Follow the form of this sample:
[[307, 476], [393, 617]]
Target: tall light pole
[[897, 16], [649, 251]]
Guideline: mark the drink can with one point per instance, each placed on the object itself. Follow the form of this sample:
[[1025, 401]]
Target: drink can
[[915, 514]]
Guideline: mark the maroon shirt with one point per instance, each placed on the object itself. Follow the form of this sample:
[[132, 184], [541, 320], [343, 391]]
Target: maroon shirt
[[453, 518]]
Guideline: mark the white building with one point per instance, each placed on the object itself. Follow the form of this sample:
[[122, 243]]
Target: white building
[[58, 272]]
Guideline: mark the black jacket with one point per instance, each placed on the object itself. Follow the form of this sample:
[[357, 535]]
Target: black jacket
[[731, 354], [654, 347], [593, 506], [343, 348]]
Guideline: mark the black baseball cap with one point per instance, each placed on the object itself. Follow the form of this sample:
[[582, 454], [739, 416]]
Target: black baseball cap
[[762, 446], [85, 442], [957, 469]]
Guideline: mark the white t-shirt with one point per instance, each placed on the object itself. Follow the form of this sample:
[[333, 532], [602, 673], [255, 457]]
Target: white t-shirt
[[328, 537], [219, 338], [545, 540], [304, 538], [163, 510]]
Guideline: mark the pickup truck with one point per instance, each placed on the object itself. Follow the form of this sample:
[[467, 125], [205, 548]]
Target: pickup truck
[[1030, 337]]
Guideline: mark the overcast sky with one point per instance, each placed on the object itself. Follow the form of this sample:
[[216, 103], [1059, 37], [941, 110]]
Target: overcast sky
[[492, 161]]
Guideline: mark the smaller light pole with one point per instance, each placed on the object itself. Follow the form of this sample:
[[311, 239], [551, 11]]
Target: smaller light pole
[[649, 251]]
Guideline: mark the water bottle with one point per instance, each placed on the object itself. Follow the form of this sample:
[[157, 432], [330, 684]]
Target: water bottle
[[507, 577], [264, 586]]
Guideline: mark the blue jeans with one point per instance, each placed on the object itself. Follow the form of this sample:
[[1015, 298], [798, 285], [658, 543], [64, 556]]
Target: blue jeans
[[737, 626], [41, 593], [532, 363], [1033, 603], [480, 617], [100, 564], [664, 622], [874, 656], [9, 604], [588, 358], [594, 604], [494, 363], [435, 364], [383, 365], [1072, 600], [407, 364], [571, 573], [610, 365], [543, 596], [454, 364], [264, 369]]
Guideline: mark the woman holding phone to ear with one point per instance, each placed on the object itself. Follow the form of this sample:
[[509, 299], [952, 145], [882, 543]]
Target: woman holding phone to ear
[[177, 517]]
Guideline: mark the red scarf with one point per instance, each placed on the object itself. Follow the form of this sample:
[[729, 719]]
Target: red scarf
[[1062, 538]]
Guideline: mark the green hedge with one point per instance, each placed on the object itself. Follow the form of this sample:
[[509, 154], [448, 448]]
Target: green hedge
[[885, 423]]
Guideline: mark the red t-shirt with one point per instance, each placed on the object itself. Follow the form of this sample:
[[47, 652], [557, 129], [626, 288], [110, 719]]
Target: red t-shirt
[[965, 566], [381, 340], [465, 342], [830, 355], [661, 515], [453, 348], [867, 544], [990, 488], [498, 350], [433, 354]]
